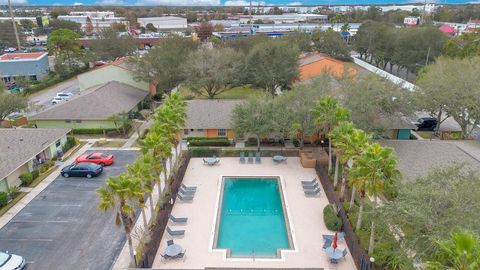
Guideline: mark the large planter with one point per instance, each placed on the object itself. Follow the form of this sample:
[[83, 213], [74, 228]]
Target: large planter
[[307, 160]]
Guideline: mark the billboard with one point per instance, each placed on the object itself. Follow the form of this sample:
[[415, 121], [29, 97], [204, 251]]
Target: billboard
[[411, 21]]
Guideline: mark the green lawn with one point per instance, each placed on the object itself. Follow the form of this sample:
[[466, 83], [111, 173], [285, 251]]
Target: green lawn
[[241, 92]]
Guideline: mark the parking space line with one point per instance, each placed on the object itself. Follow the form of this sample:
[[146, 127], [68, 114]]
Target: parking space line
[[27, 239]]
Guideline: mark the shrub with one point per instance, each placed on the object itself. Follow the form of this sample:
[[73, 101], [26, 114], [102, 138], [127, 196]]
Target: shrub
[[295, 143], [14, 191], [93, 130], [251, 142], [71, 142], [203, 152], [3, 199], [332, 221], [26, 178], [35, 174], [205, 138], [217, 142]]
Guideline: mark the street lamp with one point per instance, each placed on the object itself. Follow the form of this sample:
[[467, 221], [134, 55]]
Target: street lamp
[[372, 260], [135, 258]]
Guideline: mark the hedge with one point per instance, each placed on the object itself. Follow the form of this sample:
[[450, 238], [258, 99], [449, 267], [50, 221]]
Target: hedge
[[71, 142], [206, 138], [208, 152], [332, 221], [217, 142], [203, 151], [3, 199], [26, 178], [92, 130]]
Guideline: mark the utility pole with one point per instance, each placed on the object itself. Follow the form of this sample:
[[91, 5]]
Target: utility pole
[[251, 18], [14, 25], [428, 55]]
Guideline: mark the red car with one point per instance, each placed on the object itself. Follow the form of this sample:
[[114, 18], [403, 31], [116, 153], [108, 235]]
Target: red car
[[97, 158]]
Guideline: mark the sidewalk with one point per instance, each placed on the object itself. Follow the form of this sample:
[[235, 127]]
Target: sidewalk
[[135, 136], [4, 219]]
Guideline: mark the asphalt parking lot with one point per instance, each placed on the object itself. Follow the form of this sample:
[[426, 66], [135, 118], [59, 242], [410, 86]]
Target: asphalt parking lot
[[62, 229]]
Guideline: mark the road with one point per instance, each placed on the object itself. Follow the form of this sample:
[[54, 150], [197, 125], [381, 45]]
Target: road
[[61, 228], [42, 100]]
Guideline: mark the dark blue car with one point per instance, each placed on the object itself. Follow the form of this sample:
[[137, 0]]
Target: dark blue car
[[82, 169]]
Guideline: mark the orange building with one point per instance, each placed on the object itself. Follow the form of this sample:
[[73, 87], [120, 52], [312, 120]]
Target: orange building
[[209, 118], [315, 64]]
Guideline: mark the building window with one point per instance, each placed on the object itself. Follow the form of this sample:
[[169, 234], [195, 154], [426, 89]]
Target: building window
[[78, 121], [68, 121], [185, 132], [58, 143], [222, 132]]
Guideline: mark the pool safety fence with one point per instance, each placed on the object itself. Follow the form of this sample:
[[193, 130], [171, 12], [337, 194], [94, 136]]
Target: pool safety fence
[[360, 257]]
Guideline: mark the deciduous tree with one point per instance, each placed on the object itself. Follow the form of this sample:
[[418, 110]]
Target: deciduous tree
[[109, 45], [10, 103], [331, 43]]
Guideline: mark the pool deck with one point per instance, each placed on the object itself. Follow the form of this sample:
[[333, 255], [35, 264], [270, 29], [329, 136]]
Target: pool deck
[[305, 216]]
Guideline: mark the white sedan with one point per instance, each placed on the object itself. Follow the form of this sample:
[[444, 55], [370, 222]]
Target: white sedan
[[11, 262]]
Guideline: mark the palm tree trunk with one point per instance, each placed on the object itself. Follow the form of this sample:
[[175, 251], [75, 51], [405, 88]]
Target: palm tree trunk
[[371, 243], [344, 181], [144, 217], [152, 208], [329, 156], [360, 216], [258, 143], [129, 239], [352, 198], [335, 177], [165, 174]]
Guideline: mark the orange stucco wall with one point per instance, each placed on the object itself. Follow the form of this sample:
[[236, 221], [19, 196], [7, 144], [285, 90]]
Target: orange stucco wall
[[214, 133], [331, 66]]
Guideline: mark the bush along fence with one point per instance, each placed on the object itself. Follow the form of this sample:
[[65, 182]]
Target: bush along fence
[[360, 257], [158, 227], [229, 152]]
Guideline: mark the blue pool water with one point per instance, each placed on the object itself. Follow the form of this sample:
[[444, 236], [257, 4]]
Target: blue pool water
[[252, 221]]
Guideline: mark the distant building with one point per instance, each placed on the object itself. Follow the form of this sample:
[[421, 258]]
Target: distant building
[[284, 18], [99, 19], [411, 21], [317, 63], [448, 30], [164, 23], [32, 65], [25, 149], [473, 25]]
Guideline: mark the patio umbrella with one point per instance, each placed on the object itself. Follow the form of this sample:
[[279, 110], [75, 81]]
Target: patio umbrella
[[334, 243]]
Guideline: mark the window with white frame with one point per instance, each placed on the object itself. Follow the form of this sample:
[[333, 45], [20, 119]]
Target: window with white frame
[[222, 132]]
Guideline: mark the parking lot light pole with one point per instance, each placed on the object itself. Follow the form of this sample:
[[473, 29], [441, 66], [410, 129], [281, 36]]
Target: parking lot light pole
[[14, 25]]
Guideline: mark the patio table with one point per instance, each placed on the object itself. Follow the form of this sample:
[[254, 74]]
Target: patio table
[[173, 250], [278, 158], [211, 161], [334, 253]]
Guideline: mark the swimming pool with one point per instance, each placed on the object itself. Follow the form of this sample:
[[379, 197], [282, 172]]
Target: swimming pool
[[252, 221]]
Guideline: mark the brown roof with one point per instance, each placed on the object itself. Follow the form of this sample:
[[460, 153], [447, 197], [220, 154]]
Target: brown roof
[[22, 144], [314, 57], [22, 56], [96, 103]]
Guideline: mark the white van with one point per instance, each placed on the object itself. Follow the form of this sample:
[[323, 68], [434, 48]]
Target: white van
[[11, 261]]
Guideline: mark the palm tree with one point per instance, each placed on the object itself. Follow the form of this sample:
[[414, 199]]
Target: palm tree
[[350, 143], [155, 168], [374, 169], [141, 172], [117, 194], [328, 113], [161, 147], [460, 252]]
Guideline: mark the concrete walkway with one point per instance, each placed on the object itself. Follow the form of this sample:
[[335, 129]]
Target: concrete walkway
[[135, 135], [5, 218]]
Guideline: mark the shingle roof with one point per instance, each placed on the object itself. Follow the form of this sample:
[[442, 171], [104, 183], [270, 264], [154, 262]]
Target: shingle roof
[[205, 114], [22, 144], [96, 103], [419, 157]]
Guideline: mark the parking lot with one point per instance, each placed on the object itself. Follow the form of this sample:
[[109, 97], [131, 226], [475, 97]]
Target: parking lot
[[62, 229]]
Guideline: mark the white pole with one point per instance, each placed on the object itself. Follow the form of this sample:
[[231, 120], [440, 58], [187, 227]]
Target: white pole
[[14, 25]]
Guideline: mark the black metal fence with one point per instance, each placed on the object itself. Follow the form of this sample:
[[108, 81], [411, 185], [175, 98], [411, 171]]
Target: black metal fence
[[158, 227], [360, 257]]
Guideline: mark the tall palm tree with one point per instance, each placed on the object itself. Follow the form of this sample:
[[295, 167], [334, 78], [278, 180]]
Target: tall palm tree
[[350, 143], [374, 169], [161, 147], [460, 252], [117, 194], [141, 172], [328, 113], [155, 168]]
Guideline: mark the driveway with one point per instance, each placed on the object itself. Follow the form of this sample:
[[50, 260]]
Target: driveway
[[62, 229], [42, 100]]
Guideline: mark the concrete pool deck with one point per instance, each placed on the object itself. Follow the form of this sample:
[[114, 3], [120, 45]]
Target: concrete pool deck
[[305, 215]]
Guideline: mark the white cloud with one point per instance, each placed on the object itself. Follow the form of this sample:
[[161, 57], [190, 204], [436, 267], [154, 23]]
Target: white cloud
[[295, 4], [110, 2], [243, 3], [178, 2], [14, 2], [77, 4]]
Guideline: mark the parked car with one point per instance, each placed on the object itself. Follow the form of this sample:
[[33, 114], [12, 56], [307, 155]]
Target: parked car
[[9, 50], [426, 124], [97, 158], [57, 100], [11, 261], [65, 96], [82, 169]]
